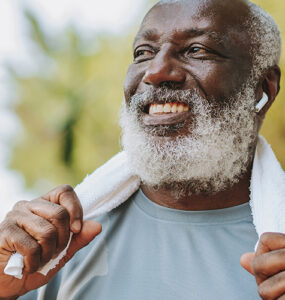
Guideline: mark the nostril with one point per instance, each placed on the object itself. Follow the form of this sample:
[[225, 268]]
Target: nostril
[[170, 85]]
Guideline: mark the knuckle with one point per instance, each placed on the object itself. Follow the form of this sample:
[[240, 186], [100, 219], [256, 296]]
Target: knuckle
[[7, 227], [65, 188], [257, 265], [49, 233], [20, 204], [61, 215], [28, 243], [264, 291], [265, 239], [34, 249], [15, 215], [10, 215], [265, 236]]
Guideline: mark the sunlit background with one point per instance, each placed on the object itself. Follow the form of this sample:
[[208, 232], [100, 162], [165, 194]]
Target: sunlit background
[[62, 67]]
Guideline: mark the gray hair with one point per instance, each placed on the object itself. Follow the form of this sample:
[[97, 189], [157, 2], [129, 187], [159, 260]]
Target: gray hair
[[265, 38]]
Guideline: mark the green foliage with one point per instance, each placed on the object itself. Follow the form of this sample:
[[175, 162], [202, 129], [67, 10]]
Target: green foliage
[[69, 108]]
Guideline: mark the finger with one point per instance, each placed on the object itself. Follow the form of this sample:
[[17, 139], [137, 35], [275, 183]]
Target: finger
[[246, 261], [282, 297], [66, 197], [40, 229], [273, 287], [57, 216], [270, 241], [90, 229], [14, 239], [269, 263]]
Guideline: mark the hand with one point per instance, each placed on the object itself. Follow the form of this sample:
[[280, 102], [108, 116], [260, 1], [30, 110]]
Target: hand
[[268, 266], [40, 230]]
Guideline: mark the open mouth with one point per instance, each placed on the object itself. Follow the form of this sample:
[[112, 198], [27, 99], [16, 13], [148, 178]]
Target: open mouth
[[166, 113], [167, 108]]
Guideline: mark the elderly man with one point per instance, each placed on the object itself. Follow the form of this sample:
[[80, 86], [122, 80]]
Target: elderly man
[[190, 124]]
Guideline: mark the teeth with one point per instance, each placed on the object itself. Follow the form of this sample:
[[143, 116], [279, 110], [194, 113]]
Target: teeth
[[159, 108], [167, 108], [180, 108]]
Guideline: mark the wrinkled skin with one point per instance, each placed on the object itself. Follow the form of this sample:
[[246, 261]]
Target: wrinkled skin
[[39, 230], [267, 264], [198, 49], [173, 48]]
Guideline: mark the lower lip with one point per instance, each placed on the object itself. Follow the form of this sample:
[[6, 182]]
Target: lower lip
[[166, 119]]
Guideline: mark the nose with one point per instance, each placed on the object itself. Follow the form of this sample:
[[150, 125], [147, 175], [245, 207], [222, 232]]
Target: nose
[[163, 70]]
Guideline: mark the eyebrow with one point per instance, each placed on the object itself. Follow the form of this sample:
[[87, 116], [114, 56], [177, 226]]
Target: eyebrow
[[153, 35], [149, 34], [193, 32]]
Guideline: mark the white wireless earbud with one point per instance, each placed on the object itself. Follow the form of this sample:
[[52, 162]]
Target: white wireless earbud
[[261, 103]]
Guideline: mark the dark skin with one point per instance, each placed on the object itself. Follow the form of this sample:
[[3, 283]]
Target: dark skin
[[207, 53], [203, 48], [184, 52], [39, 230]]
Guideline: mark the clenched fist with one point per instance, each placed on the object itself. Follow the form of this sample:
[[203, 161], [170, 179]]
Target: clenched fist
[[268, 266], [40, 230]]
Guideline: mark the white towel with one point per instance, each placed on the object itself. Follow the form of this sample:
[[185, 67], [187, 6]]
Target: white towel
[[267, 198], [113, 183]]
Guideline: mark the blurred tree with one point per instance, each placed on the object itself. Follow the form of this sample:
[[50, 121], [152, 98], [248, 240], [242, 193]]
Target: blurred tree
[[69, 107]]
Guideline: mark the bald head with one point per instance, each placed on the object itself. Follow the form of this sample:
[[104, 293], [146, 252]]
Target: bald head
[[264, 39]]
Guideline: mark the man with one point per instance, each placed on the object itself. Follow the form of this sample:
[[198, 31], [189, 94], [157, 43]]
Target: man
[[190, 130]]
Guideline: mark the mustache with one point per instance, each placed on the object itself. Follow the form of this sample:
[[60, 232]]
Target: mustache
[[139, 101]]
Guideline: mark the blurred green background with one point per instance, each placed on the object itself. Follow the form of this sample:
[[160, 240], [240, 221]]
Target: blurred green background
[[69, 108]]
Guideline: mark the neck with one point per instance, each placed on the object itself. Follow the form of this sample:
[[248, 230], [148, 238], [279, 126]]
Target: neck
[[233, 196]]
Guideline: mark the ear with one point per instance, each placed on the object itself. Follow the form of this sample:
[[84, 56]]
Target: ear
[[270, 85]]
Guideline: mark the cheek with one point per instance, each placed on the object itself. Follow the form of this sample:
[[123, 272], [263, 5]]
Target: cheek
[[133, 79], [219, 80]]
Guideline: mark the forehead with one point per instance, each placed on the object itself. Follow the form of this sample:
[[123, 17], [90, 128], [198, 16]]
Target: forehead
[[218, 19]]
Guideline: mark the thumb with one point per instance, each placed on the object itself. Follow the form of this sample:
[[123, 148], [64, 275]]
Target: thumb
[[90, 229], [246, 261]]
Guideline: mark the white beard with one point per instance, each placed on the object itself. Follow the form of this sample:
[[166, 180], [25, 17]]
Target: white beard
[[212, 157]]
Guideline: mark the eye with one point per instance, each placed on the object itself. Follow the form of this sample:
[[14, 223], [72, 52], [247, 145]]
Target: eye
[[197, 50], [201, 52], [143, 53]]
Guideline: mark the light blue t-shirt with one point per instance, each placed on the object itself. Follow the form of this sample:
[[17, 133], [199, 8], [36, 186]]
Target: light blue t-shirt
[[150, 252]]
